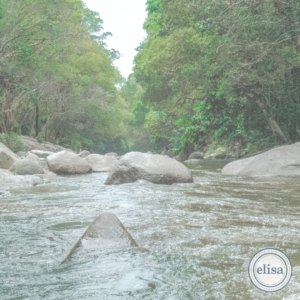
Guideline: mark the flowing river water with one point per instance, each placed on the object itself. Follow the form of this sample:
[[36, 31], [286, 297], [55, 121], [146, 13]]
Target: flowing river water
[[197, 238]]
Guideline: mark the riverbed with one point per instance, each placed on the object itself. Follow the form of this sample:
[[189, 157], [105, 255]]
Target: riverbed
[[196, 239]]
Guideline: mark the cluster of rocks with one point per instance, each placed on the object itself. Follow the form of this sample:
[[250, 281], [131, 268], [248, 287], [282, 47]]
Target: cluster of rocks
[[26, 169], [43, 165]]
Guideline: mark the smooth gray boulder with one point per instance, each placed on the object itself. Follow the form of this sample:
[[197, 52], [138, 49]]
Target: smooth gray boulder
[[67, 162], [196, 155], [159, 169], [84, 154], [32, 157], [111, 154], [26, 167], [102, 163], [40, 161], [284, 161], [7, 157], [106, 231], [237, 166], [41, 153]]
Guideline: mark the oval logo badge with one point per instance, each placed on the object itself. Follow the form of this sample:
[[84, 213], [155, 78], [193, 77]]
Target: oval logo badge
[[270, 270]]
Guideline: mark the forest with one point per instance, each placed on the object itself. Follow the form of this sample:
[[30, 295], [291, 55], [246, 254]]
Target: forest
[[57, 81], [209, 74]]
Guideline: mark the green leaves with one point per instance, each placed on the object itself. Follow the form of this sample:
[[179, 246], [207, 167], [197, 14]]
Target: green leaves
[[53, 56], [152, 6], [221, 68]]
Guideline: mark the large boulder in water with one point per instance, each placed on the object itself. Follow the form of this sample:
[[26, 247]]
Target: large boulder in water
[[102, 163], [158, 169], [67, 162], [284, 160], [106, 231], [7, 157]]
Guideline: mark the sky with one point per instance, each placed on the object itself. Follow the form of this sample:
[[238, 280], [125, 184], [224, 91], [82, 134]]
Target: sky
[[124, 19]]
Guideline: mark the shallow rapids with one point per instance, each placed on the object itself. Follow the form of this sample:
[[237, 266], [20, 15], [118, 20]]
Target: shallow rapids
[[197, 239]]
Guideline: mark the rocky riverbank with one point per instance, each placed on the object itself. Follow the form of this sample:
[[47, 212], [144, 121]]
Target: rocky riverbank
[[43, 162], [40, 165]]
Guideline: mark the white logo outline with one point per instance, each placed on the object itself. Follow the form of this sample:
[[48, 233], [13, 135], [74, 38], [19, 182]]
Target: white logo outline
[[284, 259]]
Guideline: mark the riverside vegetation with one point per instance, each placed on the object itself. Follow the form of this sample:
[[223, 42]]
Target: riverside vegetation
[[210, 74]]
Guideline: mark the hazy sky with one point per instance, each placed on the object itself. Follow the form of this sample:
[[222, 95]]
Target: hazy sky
[[124, 19]]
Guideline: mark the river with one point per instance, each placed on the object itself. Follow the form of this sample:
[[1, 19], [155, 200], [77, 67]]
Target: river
[[197, 239]]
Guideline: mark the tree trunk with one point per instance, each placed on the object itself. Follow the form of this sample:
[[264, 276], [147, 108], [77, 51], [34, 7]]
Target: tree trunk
[[297, 44], [279, 135], [36, 121]]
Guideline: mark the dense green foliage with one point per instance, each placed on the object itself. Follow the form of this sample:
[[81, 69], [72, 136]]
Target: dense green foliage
[[218, 72], [57, 81], [210, 74], [138, 133]]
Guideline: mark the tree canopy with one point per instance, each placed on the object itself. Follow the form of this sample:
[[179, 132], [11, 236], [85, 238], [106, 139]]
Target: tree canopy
[[57, 79], [222, 70]]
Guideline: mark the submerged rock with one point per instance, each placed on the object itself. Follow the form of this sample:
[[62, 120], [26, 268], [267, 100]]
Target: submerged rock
[[102, 163], [284, 160], [7, 157], [67, 162], [157, 169], [106, 231]]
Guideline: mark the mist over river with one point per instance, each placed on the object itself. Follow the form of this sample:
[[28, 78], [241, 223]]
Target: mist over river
[[197, 239]]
